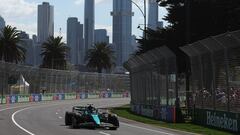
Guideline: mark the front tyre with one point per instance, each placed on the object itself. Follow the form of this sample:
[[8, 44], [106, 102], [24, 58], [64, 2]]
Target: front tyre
[[68, 118], [74, 123]]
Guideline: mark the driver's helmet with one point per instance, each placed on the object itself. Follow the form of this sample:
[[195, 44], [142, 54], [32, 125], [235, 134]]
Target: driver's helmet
[[90, 108]]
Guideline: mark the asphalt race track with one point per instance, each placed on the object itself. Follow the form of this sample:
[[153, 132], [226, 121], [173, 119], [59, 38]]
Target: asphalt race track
[[48, 119]]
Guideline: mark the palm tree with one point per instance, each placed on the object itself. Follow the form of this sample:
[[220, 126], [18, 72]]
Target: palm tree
[[54, 53], [11, 49], [100, 57]]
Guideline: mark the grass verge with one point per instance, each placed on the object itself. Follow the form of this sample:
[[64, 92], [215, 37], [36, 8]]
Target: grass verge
[[124, 111]]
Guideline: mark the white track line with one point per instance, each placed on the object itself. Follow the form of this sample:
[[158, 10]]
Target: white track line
[[30, 133], [14, 108], [13, 119], [29, 107], [25, 130], [147, 129], [103, 133]]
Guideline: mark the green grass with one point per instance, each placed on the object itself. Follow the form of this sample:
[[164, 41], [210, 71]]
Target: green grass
[[125, 112]]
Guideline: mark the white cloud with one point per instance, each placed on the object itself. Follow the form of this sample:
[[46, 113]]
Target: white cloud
[[29, 28], [101, 1], [17, 8], [78, 2], [16, 12]]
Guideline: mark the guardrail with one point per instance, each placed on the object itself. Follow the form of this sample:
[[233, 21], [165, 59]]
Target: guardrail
[[11, 99]]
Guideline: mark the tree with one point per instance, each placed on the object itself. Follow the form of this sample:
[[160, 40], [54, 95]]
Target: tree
[[54, 53], [190, 21], [11, 49], [200, 19], [100, 57], [155, 38]]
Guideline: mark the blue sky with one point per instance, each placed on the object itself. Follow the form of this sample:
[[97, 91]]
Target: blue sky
[[23, 14]]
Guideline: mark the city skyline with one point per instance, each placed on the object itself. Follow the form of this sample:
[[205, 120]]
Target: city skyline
[[122, 25], [152, 14], [89, 24], [23, 15], [45, 20], [2, 23], [75, 41]]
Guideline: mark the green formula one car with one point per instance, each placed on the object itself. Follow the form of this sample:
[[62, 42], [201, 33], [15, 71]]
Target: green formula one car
[[91, 117]]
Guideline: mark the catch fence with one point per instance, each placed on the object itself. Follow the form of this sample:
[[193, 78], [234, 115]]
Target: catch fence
[[20, 79], [215, 68]]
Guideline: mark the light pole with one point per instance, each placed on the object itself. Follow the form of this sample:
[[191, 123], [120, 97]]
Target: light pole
[[144, 16]]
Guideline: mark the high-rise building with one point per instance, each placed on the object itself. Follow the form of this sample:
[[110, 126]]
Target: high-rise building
[[75, 41], [152, 14], [2, 23], [37, 54], [89, 24], [100, 35], [122, 29], [160, 24], [29, 47], [34, 38], [45, 22]]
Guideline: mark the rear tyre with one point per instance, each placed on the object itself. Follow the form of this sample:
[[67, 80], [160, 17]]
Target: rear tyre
[[92, 127], [113, 120], [74, 123], [68, 118], [113, 128]]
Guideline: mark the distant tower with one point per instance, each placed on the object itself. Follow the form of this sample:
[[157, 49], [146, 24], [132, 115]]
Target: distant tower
[[100, 35], [122, 29], [75, 40], [160, 24], [152, 14], [2, 23], [45, 22], [89, 24], [29, 48]]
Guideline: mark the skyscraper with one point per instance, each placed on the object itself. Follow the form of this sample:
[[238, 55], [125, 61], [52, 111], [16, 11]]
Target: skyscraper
[[122, 29], [2, 23], [152, 14], [89, 24], [28, 46], [75, 40], [100, 35], [160, 24], [45, 22]]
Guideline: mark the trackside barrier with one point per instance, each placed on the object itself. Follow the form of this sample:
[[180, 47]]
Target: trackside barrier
[[117, 95], [11, 99], [47, 97], [126, 95], [23, 98], [217, 119], [59, 97], [163, 113], [3, 100], [92, 95], [83, 95], [105, 94], [70, 96], [35, 98]]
